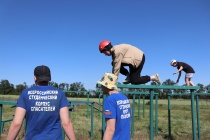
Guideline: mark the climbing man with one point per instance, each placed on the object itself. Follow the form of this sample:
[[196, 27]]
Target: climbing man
[[127, 55]]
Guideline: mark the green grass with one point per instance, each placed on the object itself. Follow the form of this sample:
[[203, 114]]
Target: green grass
[[180, 120]]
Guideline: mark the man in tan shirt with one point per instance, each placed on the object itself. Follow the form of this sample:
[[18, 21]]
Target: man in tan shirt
[[127, 55]]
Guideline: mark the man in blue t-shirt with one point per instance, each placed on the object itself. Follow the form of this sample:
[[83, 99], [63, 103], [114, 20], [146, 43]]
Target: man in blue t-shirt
[[116, 110], [45, 109]]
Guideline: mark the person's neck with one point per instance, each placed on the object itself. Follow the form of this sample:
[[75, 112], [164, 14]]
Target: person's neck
[[113, 92], [112, 50], [44, 83]]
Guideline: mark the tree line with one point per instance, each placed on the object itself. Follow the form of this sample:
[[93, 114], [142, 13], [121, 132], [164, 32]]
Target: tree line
[[7, 88]]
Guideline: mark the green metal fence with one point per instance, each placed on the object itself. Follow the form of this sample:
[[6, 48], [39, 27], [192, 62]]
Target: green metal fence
[[150, 88], [1, 109], [193, 113], [152, 95]]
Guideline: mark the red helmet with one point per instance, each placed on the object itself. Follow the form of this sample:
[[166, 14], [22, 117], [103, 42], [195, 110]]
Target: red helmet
[[103, 44]]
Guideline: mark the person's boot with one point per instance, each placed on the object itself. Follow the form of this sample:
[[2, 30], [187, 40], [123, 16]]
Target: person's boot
[[127, 79], [156, 78]]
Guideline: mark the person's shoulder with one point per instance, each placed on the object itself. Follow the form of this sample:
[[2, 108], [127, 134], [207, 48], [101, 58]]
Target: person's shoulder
[[182, 63], [116, 95], [30, 88], [122, 48], [122, 45], [48, 87]]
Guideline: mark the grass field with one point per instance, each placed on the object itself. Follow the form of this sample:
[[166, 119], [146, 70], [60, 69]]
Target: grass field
[[180, 120]]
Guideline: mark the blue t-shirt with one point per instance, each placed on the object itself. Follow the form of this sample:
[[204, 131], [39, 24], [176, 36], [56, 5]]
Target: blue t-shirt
[[117, 106], [42, 105]]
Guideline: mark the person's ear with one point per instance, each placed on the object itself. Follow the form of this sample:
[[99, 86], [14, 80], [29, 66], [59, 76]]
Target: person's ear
[[34, 78]]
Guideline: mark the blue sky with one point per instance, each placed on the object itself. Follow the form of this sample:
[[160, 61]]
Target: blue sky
[[64, 35]]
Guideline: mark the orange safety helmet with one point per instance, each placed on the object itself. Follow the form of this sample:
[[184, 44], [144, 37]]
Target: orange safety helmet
[[103, 45]]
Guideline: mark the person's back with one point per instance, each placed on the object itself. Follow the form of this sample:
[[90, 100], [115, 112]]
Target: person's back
[[42, 105], [129, 55], [119, 106], [45, 109], [186, 67]]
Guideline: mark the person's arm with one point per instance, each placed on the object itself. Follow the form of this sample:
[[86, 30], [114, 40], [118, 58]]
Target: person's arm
[[180, 73], [66, 123], [16, 123], [179, 70], [117, 64], [110, 128]]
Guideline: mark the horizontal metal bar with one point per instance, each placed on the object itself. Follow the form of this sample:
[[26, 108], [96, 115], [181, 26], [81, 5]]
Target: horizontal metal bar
[[136, 92], [7, 102], [187, 94], [153, 86], [67, 91]]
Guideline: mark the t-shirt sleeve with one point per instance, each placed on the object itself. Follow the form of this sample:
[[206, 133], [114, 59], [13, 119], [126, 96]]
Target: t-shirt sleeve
[[116, 64], [109, 109], [64, 100], [21, 101]]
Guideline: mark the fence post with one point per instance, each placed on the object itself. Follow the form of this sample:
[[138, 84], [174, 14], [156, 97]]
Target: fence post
[[99, 104], [139, 99], [198, 115], [1, 108], [92, 120], [143, 104], [133, 115], [88, 100], [193, 116], [103, 119], [151, 114], [169, 116], [156, 115]]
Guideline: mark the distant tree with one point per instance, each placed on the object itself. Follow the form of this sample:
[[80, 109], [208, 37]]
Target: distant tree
[[62, 86], [77, 86], [19, 88], [96, 93], [25, 85], [54, 84], [202, 88], [6, 87], [67, 86], [168, 82], [33, 85], [207, 87]]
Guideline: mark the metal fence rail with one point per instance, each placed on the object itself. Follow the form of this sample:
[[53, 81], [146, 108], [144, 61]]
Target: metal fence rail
[[152, 94]]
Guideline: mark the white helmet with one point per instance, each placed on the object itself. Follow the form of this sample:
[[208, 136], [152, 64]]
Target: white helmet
[[172, 62]]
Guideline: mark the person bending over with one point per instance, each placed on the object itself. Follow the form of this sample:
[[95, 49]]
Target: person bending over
[[127, 55], [189, 71]]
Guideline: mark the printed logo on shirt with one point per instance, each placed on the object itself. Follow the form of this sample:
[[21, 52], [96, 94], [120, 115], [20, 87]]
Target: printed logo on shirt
[[107, 112], [124, 105], [42, 99]]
